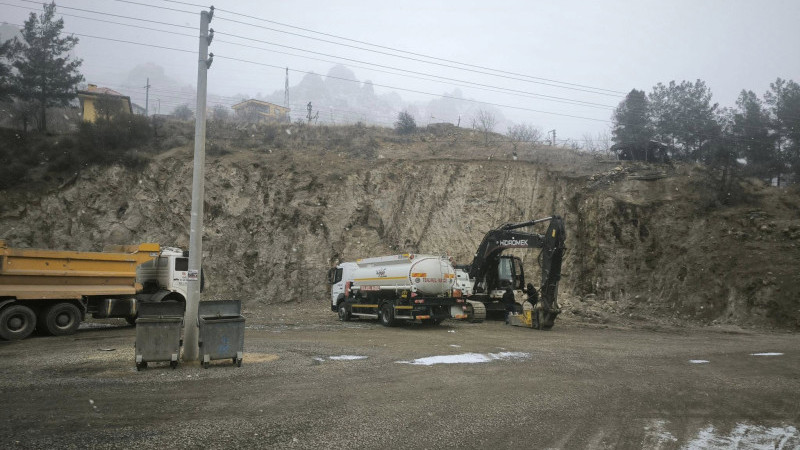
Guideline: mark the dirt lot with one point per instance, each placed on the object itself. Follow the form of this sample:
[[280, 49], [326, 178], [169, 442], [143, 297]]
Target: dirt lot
[[310, 381]]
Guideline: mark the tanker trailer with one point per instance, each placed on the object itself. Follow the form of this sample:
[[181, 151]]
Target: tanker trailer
[[406, 287]]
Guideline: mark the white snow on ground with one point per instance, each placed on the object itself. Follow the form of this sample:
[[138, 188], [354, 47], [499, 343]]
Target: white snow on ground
[[747, 436], [466, 358], [766, 354], [455, 346], [698, 361], [346, 357], [742, 436]]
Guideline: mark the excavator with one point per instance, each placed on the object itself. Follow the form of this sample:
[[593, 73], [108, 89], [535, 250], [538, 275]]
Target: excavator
[[491, 273]]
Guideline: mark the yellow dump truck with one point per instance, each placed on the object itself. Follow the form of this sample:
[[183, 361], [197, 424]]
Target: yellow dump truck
[[52, 291]]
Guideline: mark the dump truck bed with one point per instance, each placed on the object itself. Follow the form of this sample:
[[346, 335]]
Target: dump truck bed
[[28, 274]]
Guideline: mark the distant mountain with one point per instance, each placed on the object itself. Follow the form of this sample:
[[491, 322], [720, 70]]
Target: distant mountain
[[340, 97], [158, 79]]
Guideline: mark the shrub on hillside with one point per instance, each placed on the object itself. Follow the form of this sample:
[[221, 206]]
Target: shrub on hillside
[[108, 140], [405, 123]]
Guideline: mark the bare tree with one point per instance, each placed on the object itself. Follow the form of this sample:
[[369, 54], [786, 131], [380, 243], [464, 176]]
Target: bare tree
[[484, 121], [600, 143], [603, 142], [523, 133], [220, 113], [183, 112]]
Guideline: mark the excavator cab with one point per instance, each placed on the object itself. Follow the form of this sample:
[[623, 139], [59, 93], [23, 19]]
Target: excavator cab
[[510, 273], [506, 272]]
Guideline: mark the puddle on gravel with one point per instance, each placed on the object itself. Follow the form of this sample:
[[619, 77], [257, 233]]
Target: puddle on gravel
[[466, 358]]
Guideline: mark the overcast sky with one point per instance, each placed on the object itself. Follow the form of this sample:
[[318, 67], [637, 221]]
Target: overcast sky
[[610, 45]]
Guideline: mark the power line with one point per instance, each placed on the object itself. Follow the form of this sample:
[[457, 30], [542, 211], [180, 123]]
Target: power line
[[106, 14], [420, 60], [120, 40], [561, 85], [479, 86], [159, 7], [397, 49]]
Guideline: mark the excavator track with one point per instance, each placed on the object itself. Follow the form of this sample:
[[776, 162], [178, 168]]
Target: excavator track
[[478, 313]]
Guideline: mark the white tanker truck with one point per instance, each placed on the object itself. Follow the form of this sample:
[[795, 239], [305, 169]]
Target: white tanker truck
[[393, 288]]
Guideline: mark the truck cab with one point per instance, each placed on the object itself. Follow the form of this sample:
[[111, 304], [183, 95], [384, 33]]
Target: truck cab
[[165, 278], [166, 275], [337, 279]]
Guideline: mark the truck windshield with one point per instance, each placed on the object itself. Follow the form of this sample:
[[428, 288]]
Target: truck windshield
[[181, 264]]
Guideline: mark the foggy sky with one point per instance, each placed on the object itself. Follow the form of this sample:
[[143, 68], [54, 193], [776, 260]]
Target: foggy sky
[[614, 45]]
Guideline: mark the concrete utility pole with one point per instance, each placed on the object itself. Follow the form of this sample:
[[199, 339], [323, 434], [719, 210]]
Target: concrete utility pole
[[147, 98], [308, 107], [286, 97], [191, 349], [553, 142]]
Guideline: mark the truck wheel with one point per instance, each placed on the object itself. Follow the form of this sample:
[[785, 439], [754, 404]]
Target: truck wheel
[[344, 313], [16, 322], [62, 319], [387, 315], [131, 320]]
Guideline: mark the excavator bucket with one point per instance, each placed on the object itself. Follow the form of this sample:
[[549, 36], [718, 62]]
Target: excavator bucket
[[524, 319]]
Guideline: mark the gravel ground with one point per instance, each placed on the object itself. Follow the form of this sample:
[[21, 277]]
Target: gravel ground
[[309, 381]]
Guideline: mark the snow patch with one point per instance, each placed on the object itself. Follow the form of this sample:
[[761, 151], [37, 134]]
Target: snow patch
[[346, 358], [746, 436], [743, 435], [766, 354], [698, 361], [455, 346], [466, 358]]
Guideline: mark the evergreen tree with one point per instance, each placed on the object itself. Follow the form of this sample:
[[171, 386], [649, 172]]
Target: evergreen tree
[[684, 117], [632, 122], [6, 59], [784, 101], [46, 74], [750, 132], [405, 123]]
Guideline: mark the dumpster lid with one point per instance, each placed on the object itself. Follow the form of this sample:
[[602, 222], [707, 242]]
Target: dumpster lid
[[219, 308], [160, 309]]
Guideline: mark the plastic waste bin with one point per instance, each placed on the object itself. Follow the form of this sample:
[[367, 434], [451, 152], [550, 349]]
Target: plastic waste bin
[[158, 333], [221, 331]]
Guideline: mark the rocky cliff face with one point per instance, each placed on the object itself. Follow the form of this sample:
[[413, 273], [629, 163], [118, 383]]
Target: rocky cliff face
[[640, 247]]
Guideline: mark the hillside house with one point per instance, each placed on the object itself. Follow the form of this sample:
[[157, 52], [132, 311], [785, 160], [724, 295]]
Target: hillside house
[[255, 111], [103, 102]]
